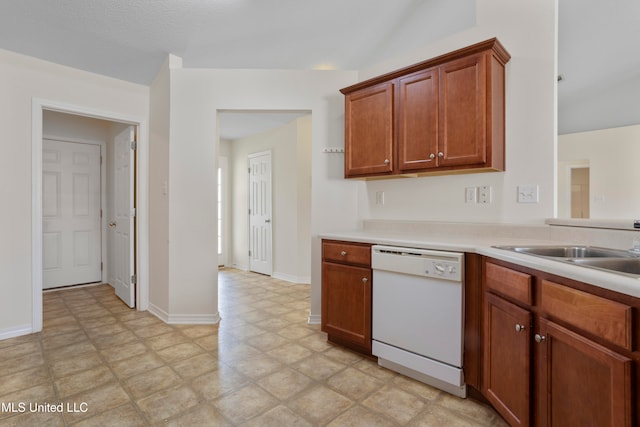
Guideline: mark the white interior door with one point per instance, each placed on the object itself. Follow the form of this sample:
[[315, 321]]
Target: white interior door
[[71, 232], [260, 213], [122, 224]]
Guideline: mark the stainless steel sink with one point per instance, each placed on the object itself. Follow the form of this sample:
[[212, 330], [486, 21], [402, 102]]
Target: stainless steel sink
[[569, 251], [630, 266], [612, 260]]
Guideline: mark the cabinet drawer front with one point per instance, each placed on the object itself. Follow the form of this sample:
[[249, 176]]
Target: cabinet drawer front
[[510, 283], [348, 253], [602, 317]]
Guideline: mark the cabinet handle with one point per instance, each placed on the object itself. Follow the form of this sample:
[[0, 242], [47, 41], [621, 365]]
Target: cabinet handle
[[343, 253], [386, 161], [519, 327], [539, 338], [440, 154], [432, 156], [364, 280]]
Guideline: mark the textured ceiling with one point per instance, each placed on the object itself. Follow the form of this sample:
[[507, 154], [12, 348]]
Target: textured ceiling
[[129, 39]]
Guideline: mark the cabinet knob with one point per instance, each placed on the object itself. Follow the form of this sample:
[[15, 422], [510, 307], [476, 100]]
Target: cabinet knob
[[519, 327], [440, 154], [343, 253], [364, 280], [432, 156], [386, 161], [539, 338]]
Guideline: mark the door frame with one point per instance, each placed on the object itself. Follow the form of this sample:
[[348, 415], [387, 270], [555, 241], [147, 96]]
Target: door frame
[[141, 190]]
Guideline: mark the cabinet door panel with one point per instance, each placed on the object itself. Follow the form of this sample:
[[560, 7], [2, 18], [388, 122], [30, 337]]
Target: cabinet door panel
[[369, 131], [418, 120], [346, 303], [463, 112], [581, 383], [507, 358]]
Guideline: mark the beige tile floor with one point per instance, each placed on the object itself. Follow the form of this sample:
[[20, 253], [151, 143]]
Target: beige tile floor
[[263, 365]]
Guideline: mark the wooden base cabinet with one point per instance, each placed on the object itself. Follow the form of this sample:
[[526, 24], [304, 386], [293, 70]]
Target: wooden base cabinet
[[346, 294], [555, 355], [582, 383], [507, 369]]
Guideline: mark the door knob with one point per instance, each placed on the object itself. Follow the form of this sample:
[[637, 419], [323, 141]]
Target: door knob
[[440, 154], [519, 327], [112, 224]]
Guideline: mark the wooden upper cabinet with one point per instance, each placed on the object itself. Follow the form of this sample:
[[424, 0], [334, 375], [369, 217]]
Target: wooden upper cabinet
[[443, 115], [418, 120], [463, 112], [369, 131]]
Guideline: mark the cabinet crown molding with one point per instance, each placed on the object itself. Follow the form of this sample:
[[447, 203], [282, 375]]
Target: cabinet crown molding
[[499, 52]]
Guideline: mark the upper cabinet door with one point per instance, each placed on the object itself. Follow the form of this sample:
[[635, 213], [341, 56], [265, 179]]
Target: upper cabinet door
[[463, 121], [369, 131], [417, 111]]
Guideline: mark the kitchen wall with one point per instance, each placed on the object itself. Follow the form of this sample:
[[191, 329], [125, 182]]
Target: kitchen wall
[[23, 79], [195, 97], [527, 29], [612, 157], [290, 147]]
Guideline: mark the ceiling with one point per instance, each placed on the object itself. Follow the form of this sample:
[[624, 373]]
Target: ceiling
[[130, 39]]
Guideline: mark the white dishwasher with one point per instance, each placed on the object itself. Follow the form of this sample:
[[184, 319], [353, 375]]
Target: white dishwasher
[[417, 318]]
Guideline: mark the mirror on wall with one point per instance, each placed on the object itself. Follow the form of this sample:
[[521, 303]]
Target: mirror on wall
[[598, 109]]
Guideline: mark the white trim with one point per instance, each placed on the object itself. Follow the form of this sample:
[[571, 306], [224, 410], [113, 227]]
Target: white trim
[[314, 319], [291, 278], [184, 319], [15, 332], [240, 267], [142, 203]]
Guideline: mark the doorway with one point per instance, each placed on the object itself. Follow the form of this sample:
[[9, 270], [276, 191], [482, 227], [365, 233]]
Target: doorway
[[88, 203], [580, 192], [135, 296]]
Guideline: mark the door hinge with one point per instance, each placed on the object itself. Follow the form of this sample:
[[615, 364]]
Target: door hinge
[[101, 266], [249, 253], [249, 211], [134, 279], [100, 213], [133, 212], [134, 145]]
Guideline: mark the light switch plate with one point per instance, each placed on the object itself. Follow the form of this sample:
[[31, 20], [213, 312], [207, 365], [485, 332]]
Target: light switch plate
[[471, 195], [527, 194]]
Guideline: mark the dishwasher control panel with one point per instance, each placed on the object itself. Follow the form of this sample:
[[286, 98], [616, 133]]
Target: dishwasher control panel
[[418, 262]]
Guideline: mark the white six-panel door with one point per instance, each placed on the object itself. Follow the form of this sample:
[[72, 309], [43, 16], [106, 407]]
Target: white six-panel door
[[122, 224], [260, 213], [72, 248]]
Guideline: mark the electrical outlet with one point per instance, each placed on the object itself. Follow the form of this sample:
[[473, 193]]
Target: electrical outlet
[[471, 195], [484, 194], [379, 197], [527, 194]]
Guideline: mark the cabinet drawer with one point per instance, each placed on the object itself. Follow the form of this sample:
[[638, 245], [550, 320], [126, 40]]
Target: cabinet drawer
[[347, 253], [604, 318], [510, 283]]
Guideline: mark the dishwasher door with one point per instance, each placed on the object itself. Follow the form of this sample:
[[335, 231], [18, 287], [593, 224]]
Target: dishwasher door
[[418, 314]]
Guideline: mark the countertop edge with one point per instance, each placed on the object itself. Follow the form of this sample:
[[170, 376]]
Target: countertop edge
[[484, 246]]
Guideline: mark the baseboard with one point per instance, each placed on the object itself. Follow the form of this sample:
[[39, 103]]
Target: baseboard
[[15, 332], [184, 319], [240, 267], [291, 278], [314, 319]]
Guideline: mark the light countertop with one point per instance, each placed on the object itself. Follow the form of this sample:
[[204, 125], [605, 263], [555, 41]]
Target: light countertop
[[483, 245]]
